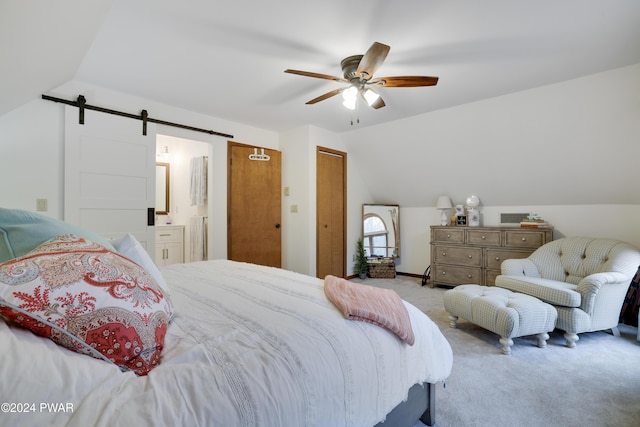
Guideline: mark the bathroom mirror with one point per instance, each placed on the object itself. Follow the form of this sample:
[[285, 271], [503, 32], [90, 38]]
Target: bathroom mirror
[[162, 188], [381, 230]]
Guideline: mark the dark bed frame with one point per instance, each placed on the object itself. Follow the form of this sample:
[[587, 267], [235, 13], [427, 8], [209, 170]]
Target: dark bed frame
[[420, 405]]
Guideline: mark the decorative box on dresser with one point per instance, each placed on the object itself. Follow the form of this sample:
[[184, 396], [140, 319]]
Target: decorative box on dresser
[[169, 244], [461, 255]]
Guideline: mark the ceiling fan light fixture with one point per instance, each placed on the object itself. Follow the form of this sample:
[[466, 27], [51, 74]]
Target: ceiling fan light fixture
[[350, 94], [350, 103], [358, 71], [350, 97], [370, 96]]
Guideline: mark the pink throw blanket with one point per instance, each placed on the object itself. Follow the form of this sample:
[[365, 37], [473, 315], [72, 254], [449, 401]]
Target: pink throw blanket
[[382, 307]]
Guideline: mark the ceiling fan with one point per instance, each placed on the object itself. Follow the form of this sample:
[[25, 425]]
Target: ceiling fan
[[358, 72]]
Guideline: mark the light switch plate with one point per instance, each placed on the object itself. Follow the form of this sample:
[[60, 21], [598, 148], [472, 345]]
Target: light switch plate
[[42, 205]]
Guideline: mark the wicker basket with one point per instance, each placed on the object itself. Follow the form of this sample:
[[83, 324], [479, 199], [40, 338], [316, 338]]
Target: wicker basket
[[382, 270]]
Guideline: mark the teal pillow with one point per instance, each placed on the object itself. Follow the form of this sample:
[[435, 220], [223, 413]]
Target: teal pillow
[[22, 231]]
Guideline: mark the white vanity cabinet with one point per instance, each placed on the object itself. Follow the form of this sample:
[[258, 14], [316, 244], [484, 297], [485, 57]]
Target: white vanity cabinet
[[169, 244]]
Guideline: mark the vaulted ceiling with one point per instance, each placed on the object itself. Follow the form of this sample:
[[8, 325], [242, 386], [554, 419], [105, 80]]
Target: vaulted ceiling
[[226, 59]]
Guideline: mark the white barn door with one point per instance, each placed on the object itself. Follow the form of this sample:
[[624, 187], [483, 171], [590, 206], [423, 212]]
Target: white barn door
[[109, 179]]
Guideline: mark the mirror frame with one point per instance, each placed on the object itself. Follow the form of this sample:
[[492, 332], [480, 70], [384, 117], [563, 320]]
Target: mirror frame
[[395, 224], [160, 183]]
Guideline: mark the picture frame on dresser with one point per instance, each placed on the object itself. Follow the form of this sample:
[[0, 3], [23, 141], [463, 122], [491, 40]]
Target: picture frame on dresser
[[461, 220]]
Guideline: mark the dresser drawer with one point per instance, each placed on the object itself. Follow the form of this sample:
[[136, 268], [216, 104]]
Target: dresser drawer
[[450, 235], [454, 275], [524, 239], [166, 234], [484, 237], [490, 277], [494, 257], [471, 257]]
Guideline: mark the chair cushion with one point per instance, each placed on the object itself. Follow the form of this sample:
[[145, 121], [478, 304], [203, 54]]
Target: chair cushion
[[550, 291]]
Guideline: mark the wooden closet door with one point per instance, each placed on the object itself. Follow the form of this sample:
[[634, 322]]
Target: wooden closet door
[[331, 212]]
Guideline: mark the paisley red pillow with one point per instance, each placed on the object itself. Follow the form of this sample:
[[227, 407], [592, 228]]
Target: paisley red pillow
[[88, 299]]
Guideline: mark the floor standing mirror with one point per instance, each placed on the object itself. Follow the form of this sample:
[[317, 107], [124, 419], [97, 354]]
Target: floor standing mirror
[[381, 230]]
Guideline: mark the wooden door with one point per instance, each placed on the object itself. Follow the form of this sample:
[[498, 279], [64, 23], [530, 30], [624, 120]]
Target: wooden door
[[109, 175], [254, 205], [331, 212]]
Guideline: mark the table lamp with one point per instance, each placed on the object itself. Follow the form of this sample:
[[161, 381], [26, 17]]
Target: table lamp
[[444, 203]]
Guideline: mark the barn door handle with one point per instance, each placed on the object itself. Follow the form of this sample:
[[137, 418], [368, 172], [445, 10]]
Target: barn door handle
[[277, 225]]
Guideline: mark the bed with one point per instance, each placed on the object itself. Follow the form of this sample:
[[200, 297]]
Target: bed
[[246, 345]]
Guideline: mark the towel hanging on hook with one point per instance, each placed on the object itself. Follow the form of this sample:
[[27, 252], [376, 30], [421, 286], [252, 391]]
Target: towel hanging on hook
[[261, 156]]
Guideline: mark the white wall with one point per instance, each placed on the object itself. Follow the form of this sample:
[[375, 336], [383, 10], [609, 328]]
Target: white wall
[[573, 143], [567, 151], [32, 161], [31, 153], [298, 252], [299, 148], [33, 142]]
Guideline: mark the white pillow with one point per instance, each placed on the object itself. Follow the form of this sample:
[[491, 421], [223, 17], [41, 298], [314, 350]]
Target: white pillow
[[132, 249]]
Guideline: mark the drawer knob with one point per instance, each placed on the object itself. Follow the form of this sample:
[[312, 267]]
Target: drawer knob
[[444, 254], [448, 236], [468, 276], [444, 273], [470, 257], [484, 237], [524, 239], [497, 258]]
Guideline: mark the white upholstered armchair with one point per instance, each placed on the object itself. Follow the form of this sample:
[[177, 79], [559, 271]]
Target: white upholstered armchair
[[586, 279]]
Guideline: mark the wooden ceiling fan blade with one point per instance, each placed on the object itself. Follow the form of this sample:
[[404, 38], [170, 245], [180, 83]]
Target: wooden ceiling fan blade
[[315, 75], [372, 59], [325, 96], [405, 81]]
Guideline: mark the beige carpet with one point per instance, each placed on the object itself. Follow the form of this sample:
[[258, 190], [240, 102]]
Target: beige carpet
[[595, 384]]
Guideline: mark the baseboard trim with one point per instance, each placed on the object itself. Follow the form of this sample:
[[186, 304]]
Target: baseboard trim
[[398, 273]]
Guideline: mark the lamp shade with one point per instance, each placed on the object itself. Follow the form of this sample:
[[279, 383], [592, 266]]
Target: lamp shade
[[444, 202]]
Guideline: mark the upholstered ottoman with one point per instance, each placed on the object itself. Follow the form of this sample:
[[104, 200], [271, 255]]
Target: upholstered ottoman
[[506, 313]]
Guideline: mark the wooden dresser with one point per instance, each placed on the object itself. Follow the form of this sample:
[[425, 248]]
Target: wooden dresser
[[461, 255]]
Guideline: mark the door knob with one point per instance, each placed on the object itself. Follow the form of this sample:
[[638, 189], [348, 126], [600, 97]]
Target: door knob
[[277, 225]]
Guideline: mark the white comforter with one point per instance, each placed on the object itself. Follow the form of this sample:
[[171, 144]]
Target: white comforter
[[249, 346]]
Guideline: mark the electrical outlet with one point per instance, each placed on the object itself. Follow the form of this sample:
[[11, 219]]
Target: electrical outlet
[[42, 205]]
